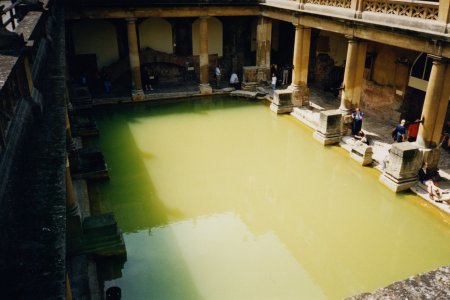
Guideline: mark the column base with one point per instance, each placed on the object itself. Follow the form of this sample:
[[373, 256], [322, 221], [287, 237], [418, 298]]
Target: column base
[[205, 89], [329, 130], [137, 95], [300, 95], [281, 109], [397, 184], [327, 139], [431, 156], [282, 101]]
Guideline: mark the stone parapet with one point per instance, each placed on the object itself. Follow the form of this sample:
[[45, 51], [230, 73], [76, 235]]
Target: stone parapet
[[330, 127], [404, 162], [281, 102]]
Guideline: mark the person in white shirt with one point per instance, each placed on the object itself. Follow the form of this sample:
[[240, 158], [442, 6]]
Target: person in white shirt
[[218, 74], [234, 80], [274, 81]]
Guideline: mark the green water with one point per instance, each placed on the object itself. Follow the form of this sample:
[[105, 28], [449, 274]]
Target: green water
[[223, 199]]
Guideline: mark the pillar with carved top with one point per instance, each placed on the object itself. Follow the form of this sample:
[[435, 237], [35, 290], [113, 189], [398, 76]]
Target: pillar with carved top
[[353, 76], [263, 48], [300, 92], [205, 88], [435, 107], [135, 64]]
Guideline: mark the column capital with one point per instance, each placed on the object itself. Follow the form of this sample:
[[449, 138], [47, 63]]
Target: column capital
[[438, 59], [131, 20], [352, 39]]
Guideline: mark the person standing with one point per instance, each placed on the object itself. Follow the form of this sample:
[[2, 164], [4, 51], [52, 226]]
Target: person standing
[[398, 134], [274, 81], [218, 74], [357, 117], [234, 80], [285, 74]]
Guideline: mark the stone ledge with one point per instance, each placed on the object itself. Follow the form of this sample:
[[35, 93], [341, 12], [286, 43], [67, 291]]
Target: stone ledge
[[430, 285]]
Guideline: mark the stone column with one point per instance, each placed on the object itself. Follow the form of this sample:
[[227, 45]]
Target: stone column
[[263, 48], [353, 76], [205, 88], [435, 104], [444, 11], [300, 92], [135, 64]]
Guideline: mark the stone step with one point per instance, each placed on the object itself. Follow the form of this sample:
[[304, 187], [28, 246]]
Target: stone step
[[308, 116]]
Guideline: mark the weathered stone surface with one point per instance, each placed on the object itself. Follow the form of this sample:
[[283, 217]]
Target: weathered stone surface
[[362, 153], [431, 285], [329, 129], [404, 163], [281, 102]]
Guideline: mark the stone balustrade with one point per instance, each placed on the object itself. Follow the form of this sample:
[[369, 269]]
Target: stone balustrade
[[427, 15]]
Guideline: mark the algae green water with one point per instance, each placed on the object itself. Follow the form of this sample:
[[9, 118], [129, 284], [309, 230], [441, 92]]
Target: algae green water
[[223, 199]]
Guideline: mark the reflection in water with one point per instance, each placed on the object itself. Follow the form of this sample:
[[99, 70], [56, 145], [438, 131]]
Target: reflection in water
[[226, 200]]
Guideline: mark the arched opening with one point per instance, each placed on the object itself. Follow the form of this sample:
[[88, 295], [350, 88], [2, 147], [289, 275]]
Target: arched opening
[[156, 33], [95, 41]]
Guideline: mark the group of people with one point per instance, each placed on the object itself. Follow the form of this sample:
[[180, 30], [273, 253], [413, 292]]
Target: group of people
[[402, 132]]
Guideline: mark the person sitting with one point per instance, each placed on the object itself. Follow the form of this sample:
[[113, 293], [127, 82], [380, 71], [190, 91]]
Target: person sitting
[[234, 81], [426, 179], [360, 136]]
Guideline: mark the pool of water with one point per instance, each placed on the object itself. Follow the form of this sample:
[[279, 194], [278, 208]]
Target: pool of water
[[223, 199]]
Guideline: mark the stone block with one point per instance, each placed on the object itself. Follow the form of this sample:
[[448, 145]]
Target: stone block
[[100, 225], [281, 102], [362, 153], [263, 74], [329, 129], [300, 95], [404, 162], [249, 74]]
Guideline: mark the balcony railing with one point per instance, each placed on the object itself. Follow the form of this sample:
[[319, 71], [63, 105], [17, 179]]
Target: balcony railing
[[415, 9], [334, 3]]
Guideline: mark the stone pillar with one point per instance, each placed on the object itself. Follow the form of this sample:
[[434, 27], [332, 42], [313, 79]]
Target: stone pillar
[[405, 160], [435, 104], [263, 48], [299, 88], [205, 88], [444, 11], [353, 76], [330, 127], [135, 64], [357, 6]]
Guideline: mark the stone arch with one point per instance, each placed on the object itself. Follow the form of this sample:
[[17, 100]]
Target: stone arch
[[215, 36], [97, 37], [156, 33]]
